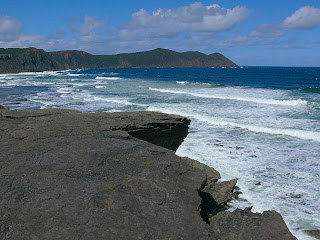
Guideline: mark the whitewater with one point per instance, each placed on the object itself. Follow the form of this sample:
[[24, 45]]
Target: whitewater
[[258, 124]]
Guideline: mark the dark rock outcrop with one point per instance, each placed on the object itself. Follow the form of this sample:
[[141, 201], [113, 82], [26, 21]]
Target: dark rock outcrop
[[71, 175], [215, 197], [313, 233], [14, 60], [244, 225]]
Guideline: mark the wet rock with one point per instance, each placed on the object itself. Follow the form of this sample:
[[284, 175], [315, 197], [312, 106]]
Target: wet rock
[[215, 197], [313, 233], [244, 225]]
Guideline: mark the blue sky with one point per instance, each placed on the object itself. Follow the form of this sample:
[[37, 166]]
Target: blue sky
[[249, 32]]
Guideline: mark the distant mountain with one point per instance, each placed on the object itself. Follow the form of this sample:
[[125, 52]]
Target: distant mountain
[[13, 60]]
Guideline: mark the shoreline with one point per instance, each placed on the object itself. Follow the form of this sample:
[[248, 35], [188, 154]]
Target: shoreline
[[80, 69], [255, 200], [166, 131]]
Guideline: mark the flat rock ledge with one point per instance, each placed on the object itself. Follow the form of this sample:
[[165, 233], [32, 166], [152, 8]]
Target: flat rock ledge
[[71, 175]]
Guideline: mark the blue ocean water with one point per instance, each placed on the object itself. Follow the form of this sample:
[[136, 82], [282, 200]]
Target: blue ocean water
[[258, 124]]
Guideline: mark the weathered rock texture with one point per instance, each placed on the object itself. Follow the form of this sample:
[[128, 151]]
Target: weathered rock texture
[[71, 175], [245, 225]]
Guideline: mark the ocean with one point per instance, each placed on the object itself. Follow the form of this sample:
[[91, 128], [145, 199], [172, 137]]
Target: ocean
[[258, 124]]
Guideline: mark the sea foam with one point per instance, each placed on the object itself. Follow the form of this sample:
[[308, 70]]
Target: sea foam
[[74, 74], [120, 101], [237, 98], [195, 83], [298, 133], [108, 78]]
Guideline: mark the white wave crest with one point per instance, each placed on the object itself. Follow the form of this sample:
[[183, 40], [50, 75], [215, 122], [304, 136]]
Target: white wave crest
[[185, 82], [113, 100], [110, 73], [40, 73], [181, 82], [64, 90], [108, 78], [246, 99], [74, 74], [6, 77], [302, 134], [298, 133]]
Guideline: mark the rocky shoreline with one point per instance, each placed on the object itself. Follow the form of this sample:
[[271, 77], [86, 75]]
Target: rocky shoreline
[[71, 175]]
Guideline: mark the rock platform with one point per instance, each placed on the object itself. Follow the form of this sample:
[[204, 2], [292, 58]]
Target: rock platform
[[71, 175]]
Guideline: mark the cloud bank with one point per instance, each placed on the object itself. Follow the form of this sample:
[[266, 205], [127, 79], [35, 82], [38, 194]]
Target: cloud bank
[[179, 28], [193, 18], [264, 35], [304, 18], [90, 25], [270, 35], [10, 28], [192, 27]]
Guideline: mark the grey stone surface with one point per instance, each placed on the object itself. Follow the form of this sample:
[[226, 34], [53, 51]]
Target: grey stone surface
[[215, 197], [245, 225], [71, 175]]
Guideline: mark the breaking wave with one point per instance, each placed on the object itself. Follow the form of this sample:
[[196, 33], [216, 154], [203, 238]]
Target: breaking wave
[[237, 98], [302, 134], [108, 78]]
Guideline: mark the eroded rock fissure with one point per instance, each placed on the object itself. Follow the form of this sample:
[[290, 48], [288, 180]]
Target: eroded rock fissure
[[208, 204], [215, 196]]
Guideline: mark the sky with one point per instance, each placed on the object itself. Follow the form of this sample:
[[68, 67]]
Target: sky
[[249, 32]]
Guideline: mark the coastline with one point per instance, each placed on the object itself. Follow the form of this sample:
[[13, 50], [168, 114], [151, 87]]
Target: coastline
[[178, 190], [256, 201], [105, 68]]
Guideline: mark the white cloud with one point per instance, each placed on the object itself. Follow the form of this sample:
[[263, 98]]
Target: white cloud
[[267, 30], [193, 18], [90, 25], [10, 28], [34, 41], [192, 27], [304, 18], [264, 34]]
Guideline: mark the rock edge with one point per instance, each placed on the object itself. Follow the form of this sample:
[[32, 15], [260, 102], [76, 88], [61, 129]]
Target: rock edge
[[71, 175]]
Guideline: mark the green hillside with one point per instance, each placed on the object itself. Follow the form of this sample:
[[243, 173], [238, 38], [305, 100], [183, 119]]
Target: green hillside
[[14, 60]]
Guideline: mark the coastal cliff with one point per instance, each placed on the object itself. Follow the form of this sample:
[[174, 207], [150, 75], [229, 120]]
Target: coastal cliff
[[72, 175], [13, 60]]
